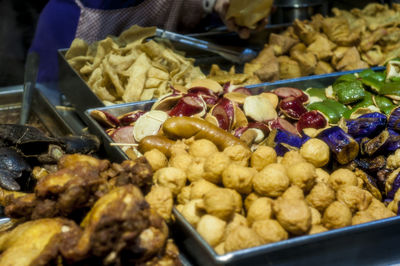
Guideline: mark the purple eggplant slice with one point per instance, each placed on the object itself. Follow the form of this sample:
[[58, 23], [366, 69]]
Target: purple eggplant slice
[[342, 145], [392, 184], [394, 119], [368, 125], [292, 107], [375, 145], [311, 119], [286, 141]]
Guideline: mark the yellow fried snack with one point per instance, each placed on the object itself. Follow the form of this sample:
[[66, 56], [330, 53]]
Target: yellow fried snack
[[248, 13]]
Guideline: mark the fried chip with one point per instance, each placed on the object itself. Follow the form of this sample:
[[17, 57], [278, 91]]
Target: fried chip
[[78, 48], [137, 77]]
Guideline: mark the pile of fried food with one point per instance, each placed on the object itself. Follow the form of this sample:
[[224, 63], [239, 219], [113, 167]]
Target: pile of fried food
[[129, 68], [88, 212], [238, 199], [349, 40]]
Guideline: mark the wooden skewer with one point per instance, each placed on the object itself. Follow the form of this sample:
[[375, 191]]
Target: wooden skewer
[[124, 144]]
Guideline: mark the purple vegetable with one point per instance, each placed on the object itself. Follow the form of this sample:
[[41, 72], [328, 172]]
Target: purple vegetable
[[394, 119], [343, 146], [285, 140], [368, 125], [395, 187], [393, 142], [376, 144]]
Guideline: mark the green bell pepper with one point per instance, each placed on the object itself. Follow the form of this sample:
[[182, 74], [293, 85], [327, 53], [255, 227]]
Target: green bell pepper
[[373, 83], [384, 104], [349, 91], [366, 73], [317, 93], [367, 101], [390, 88], [330, 108]]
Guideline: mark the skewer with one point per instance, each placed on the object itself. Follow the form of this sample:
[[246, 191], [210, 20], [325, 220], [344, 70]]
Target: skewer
[[124, 144]]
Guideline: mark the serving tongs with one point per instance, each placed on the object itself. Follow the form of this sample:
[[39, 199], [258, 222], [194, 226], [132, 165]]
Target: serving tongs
[[234, 56], [30, 75]]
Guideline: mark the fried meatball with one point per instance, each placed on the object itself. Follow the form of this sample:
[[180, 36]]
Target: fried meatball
[[294, 215], [337, 215], [342, 177], [202, 148], [238, 154], [262, 156], [178, 148], [322, 176], [302, 175], [362, 217], [293, 192], [237, 199], [220, 202], [355, 198], [272, 181], [261, 209], [211, 229], [156, 159], [170, 177], [181, 161], [316, 152], [292, 157], [250, 199], [195, 171], [200, 188], [238, 177], [378, 210], [393, 161], [315, 216], [161, 200], [184, 196], [317, 228], [394, 204], [192, 212], [220, 249], [321, 196], [240, 238], [270, 231], [214, 166], [237, 220]]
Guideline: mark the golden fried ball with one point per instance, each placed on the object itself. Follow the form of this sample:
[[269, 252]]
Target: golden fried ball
[[302, 175], [322, 175], [357, 199], [250, 199], [200, 188], [342, 177], [293, 192], [195, 171], [317, 228], [179, 147], [261, 209], [362, 217], [170, 177], [394, 204], [156, 159], [292, 157], [220, 202], [214, 165], [270, 231], [211, 229], [240, 238], [192, 212], [220, 249], [315, 216], [181, 161], [262, 156], [238, 177], [202, 148], [337, 215], [321, 196], [237, 220], [294, 215], [238, 154], [237, 199], [161, 201], [179, 207], [184, 196], [378, 210], [272, 181], [316, 152]]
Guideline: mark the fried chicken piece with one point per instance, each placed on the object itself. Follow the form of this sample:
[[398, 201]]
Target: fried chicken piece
[[281, 44], [323, 68], [321, 47], [137, 172], [369, 39], [288, 68], [269, 70], [351, 60], [171, 256], [374, 56], [392, 36], [316, 22], [290, 32], [307, 62], [305, 31], [338, 31], [338, 54]]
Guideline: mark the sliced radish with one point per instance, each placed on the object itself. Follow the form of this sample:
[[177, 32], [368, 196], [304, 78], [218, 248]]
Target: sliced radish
[[149, 124], [259, 108], [292, 107]]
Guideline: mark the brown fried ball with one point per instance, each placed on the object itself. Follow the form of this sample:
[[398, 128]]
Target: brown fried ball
[[315, 216], [181, 161], [337, 215], [321, 196], [211, 229], [200, 188], [220, 249], [302, 175], [178, 148], [316, 152], [195, 171], [184, 196], [237, 199], [272, 181], [342, 177], [161, 200], [270, 231], [170, 177], [294, 215], [237, 220], [250, 199], [293, 192], [156, 159], [192, 212], [317, 228], [362, 217], [214, 165], [357, 199], [378, 210], [240, 238], [238, 177], [262, 156], [394, 204], [202, 148], [261, 209], [322, 176], [220, 202], [238, 154], [292, 157]]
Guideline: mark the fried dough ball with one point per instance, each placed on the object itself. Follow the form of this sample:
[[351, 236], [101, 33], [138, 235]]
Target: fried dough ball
[[156, 159], [315, 216], [261, 209], [355, 198], [237, 199], [250, 199], [293, 192], [238, 177], [342, 177], [179, 207], [337, 215], [394, 204], [317, 228], [220, 249], [321, 196], [195, 171], [378, 210], [202, 148], [272, 181], [393, 161], [270, 231], [178, 148], [161, 200], [184, 196], [294, 215], [170, 177], [200, 188], [362, 217], [214, 165], [302, 175], [322, 176], [292, 157], [316, 152], [211, 229], [240, 238], [181, 161], [220, 202], [192, 212], [262, 156], [238, 154], [236, 221]]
